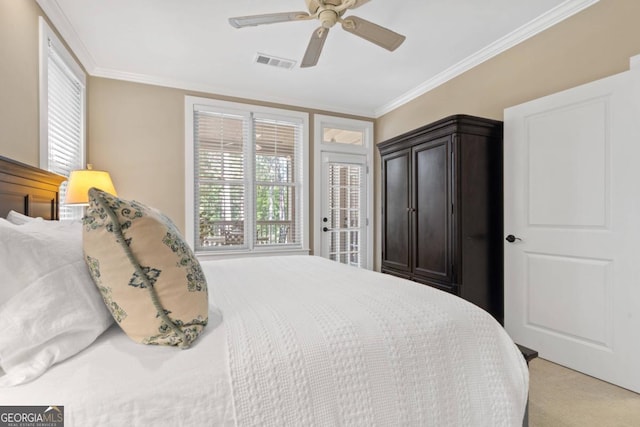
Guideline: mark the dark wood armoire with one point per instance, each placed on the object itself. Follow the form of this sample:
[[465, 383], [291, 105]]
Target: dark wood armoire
[[442, 208]]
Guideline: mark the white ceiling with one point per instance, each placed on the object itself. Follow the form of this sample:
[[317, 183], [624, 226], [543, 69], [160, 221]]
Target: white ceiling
[[189, 44]]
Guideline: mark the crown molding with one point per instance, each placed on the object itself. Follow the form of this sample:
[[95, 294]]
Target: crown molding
[[249, 96], [541, 23], [62, 24]]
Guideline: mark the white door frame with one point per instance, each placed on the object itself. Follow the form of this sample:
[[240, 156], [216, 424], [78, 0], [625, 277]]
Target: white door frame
[[366, 149]]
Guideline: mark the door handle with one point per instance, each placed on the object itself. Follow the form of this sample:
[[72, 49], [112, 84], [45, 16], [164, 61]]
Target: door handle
[[325, 229], [511, 238]]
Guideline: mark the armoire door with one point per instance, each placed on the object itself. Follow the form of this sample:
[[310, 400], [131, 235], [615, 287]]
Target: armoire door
[[432, 213], [396, 208]]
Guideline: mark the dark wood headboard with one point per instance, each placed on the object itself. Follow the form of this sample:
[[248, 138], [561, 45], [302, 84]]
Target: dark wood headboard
[[28, 190]]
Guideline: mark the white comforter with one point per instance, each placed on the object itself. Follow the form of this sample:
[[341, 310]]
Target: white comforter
[[327, 344], [304, 341]]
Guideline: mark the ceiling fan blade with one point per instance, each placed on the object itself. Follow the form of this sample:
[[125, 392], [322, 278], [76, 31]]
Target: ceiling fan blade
[[359, 3], [374, 33], [314, 48], [269, 18]]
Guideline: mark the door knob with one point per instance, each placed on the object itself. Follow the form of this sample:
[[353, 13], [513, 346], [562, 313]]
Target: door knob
[[511, 238], [325, 229]]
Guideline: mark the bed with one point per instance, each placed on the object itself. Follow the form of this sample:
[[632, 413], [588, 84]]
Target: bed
[[295, 340]]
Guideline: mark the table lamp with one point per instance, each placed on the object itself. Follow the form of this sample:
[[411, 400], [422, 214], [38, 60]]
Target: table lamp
[[80, 181]]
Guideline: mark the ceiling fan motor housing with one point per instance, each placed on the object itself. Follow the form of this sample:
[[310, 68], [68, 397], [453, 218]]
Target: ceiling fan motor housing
[[328, 18], [314, 5]]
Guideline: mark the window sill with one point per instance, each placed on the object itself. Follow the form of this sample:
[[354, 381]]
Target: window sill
[[216, 255]]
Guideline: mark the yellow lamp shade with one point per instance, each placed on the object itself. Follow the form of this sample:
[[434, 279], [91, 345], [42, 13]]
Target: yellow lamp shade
[[80, 181]]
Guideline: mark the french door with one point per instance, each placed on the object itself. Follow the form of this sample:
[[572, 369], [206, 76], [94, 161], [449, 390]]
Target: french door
[[344, 215], [343, 190]]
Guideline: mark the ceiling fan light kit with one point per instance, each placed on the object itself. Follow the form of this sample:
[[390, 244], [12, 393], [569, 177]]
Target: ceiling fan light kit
[[328, 13]]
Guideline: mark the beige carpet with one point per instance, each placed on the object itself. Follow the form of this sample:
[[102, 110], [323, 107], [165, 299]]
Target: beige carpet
[[561, 397]]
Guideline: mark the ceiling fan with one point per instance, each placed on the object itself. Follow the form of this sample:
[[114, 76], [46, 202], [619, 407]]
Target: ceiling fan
[[328, 12]]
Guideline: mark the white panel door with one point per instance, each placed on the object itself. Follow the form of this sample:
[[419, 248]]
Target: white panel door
[[572, 209]]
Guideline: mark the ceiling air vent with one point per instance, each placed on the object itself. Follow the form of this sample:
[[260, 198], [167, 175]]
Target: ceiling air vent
[[274, 61]]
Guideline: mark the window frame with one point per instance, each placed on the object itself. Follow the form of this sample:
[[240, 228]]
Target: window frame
[[193, 102], [46, 36]]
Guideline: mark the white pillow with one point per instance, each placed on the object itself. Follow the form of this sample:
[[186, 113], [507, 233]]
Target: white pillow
[[12, 278], [17, 275], [53, 310], [19, 219]]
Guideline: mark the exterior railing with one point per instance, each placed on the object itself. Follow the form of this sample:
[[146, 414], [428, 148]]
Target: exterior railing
[[231, 233]]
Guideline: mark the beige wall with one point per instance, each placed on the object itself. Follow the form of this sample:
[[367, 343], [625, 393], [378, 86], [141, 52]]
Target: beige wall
[[136, 132], [593, 44], [19, 80]]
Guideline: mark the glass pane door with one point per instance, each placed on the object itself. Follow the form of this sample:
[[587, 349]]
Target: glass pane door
[[343, 222]]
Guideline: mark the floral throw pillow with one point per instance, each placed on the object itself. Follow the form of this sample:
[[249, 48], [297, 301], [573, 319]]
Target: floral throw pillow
[[148, 276]]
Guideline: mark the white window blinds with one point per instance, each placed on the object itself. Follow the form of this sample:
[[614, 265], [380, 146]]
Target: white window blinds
[[248, 180], [62, 114], [220, 179], [276, 181]]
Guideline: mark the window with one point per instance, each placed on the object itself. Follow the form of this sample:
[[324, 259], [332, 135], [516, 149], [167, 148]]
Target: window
[[62, 113], [341, 136], [246, 174]]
